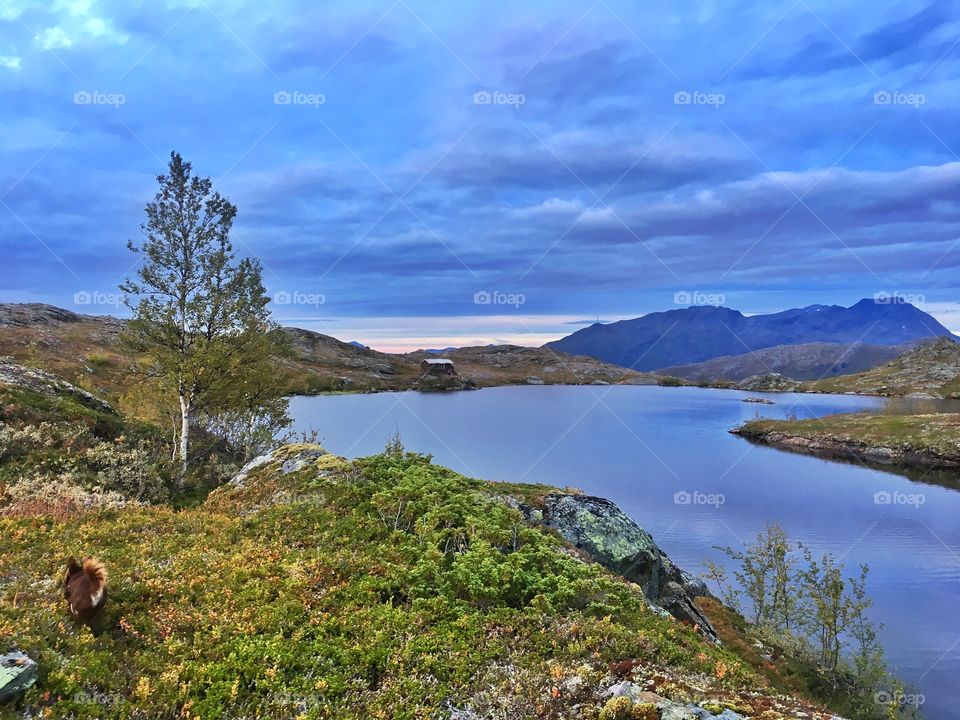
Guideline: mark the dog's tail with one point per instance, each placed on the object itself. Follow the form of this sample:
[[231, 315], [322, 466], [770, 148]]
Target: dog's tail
[[96, 571]]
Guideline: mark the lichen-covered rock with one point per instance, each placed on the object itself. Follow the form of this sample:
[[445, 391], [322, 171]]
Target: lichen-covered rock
[[610, 537], [17, 674], [769, 382], [40, 381]]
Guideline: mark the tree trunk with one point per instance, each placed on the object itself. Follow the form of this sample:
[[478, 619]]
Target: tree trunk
[[184, 436]]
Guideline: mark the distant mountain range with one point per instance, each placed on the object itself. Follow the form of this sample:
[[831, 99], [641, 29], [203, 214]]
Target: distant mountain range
[[807, 361], [696, 334]]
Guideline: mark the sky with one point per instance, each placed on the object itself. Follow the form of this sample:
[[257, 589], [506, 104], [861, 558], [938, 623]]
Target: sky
[[424, 174]]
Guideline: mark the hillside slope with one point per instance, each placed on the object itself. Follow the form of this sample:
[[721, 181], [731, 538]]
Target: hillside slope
[[84, 350], [807, 361], [931, 369], [388, 587], [695, 334]]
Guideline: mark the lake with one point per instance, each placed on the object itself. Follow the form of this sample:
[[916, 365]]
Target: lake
[[665, 456]]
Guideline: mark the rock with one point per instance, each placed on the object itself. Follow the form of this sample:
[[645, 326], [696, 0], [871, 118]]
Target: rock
[[534, 380], [301, 460], [674, 711], [599, 382], [45, 383], [238, 479], [761, 401], [18, 673], [610, 537], [633, 691], [770, 382]]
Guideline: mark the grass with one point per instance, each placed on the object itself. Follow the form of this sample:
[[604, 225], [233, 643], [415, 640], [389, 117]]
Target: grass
[[937, 435]]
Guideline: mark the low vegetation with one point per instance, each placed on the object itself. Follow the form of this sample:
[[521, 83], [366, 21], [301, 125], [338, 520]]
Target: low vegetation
[[807, 609], [316, 587], [923, 439]]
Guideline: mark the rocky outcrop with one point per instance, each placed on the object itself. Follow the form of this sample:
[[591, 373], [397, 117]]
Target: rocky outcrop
[[829, 445], [45, 383], [625, 695], [601, 530], [431, 382], [769, 382], [18, 673]]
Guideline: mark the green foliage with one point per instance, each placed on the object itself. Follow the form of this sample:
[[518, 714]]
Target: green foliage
[[199, 314], [805, 605], [304, 595]]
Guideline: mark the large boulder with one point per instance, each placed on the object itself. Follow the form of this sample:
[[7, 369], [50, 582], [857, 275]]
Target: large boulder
[[602, 530], [46, 383]]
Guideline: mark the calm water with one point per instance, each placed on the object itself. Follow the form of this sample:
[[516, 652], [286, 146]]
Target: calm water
[[641, 446]]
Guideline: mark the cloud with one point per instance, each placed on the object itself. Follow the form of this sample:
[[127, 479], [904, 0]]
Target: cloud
[[11, 62], [53, 38], [400, 196]]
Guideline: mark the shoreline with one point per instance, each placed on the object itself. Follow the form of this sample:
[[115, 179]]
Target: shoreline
[[906, 454]]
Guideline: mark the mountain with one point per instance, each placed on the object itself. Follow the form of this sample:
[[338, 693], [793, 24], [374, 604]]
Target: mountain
[[807, 361], [695, 334], [931, 369]]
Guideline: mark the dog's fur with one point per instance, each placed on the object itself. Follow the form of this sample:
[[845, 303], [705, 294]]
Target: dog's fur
[[85, 588]]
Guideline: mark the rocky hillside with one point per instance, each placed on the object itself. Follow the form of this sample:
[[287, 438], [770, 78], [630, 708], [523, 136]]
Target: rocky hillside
[[84, 350], [696, 334], [807, 361], [928, 441], [513, 364], [310, 586], [928, 370]]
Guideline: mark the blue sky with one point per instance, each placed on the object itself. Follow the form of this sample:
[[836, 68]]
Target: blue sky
[[417, 173]]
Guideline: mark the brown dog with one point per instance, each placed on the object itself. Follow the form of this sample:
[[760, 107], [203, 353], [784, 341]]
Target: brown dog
[[85, 588]]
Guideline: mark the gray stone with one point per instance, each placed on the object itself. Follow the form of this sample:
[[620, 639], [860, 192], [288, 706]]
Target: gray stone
[[40, 381], [610, 537], [18, 673]]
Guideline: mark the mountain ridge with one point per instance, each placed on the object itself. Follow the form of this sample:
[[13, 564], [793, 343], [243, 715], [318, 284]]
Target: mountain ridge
[[696, 334]]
